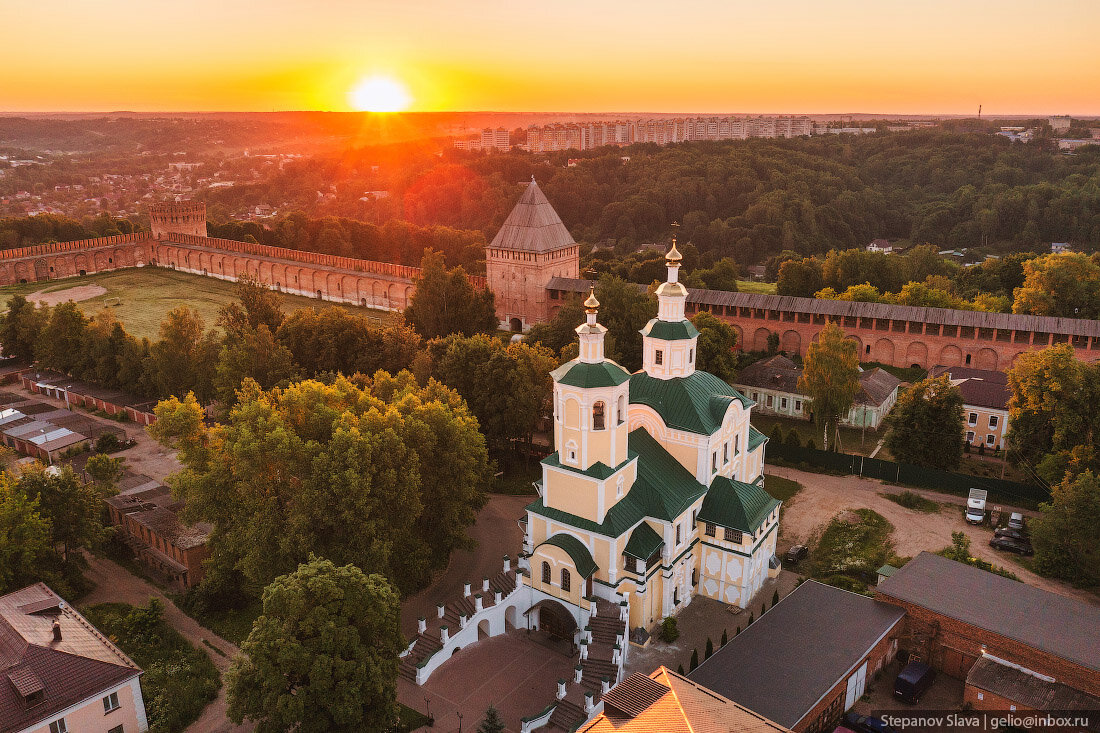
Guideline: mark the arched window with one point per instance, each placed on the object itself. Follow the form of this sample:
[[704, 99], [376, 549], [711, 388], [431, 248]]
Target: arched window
[[546, 573], [565, 579], [571, 452], [598, 416], [621, 416], [691, 356]]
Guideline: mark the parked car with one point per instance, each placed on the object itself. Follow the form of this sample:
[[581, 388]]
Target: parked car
[[865, 723], [796, 553], [913, 681], [1016, 521], [1010, 544], [1016, 534]]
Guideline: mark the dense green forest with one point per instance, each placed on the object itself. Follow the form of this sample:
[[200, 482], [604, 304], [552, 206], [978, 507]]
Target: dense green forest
[[743, 199]]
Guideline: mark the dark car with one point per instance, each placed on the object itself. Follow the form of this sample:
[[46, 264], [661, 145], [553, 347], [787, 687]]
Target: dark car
[[865, 723], [913, 681], [1016, 534], [1020, 547], [796, 553]]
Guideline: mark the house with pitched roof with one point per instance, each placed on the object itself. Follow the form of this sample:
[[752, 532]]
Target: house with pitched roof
[[59, 674], [671, 703], [985, 396]]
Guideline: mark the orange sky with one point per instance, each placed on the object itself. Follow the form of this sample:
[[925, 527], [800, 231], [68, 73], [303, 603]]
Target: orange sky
[[889, 56]]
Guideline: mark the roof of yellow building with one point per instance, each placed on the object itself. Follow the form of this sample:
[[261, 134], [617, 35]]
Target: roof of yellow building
[[666, 702]]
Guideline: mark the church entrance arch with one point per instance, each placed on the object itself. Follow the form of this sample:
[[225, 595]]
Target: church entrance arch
[[516, 325], [555, 620]]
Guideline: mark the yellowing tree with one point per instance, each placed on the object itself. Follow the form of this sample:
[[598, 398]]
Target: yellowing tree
[[830, 377], [1066, 285]]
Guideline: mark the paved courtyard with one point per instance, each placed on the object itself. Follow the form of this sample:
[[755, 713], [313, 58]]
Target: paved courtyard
[[513, 672]]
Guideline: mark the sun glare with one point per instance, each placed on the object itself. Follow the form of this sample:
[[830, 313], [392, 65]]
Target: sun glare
[[380, 94]]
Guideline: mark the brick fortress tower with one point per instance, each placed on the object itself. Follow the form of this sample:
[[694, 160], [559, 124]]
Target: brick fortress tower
[[179, 217], [531, 248]]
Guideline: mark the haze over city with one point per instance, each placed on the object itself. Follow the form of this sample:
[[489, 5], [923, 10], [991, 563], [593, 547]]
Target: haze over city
[[938, 57]]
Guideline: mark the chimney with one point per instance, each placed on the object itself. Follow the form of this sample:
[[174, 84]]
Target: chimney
[[57, 631]]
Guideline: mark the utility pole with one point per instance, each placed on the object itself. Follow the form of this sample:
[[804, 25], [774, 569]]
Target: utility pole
[[1004, 458]]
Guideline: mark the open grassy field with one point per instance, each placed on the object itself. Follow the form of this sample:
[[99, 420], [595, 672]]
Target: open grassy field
[[147, 294], [752, 286]]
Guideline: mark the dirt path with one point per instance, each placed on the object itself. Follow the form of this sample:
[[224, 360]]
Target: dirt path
[[824, 496], [115, 584], [497, 534], [75, 294]]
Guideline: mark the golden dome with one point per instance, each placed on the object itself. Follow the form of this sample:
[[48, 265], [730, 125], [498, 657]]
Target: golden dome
[[673, 256], [591, 303]]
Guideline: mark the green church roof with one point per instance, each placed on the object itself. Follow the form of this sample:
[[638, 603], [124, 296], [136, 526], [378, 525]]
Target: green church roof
[[755, 438], [696, 403], [643, 542], [736, 505], [670, 330], [577, 373], [598, 470], [578, 553], [663, 490]]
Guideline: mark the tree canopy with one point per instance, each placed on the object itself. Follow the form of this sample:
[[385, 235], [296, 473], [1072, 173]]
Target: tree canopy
[[830, 377], [380, 472], [446, 302], [1066, 534], [323, 654], [926, 425]]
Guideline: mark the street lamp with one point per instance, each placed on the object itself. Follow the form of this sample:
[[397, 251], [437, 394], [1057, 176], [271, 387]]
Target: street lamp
[[428, 708], [67, 388]]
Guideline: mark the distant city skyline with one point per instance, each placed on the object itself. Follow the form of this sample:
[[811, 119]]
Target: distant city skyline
[[798, 57]]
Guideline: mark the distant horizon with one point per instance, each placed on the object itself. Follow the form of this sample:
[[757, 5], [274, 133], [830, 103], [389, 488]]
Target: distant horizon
[[544, 113]]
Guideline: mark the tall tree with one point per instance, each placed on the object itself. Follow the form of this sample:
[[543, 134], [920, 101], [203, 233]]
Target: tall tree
[[1067, 533], [717, 341], [184, 358], [387, 475], [72, 507], [446, 302], [492, 722], [801, 278], [61, 342], [251, 353], [25, 546], [21, 327], [830, 377], [1053, 424], [926, 425], [333, 340], [323, 654], [1066, 285]]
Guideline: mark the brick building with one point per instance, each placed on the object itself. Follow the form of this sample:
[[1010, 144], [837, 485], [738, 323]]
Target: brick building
[[961, 620], [808, 659], [985, 401]]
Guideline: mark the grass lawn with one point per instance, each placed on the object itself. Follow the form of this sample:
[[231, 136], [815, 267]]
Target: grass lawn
[[148, 293], [179, 679], [753, 286], [517, 475], [852, 440], [233, 625], [780, 488], [914, 501], [410, 719], [854, 545]]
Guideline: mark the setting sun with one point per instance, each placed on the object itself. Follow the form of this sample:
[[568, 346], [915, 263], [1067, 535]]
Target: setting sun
[[380, 94]]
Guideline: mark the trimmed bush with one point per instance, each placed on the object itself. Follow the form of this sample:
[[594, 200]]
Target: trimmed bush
[[669, 630]]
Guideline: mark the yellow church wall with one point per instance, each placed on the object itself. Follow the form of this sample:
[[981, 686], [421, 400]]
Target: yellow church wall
[[558, 559], [571, 492]]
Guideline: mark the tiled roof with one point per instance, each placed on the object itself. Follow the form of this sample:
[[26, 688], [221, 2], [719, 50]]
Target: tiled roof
[[533, 225], [79, 667], [663, 490], [876, 386], [669, 330], [792, 656], [577, 373], [578, 553], [979, 387], [842, 308], [1000, 605], [696, 403], [665, 702], [777, 372], [736, 505]]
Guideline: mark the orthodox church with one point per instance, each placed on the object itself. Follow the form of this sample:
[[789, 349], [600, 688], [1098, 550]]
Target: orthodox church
[[654, 492]]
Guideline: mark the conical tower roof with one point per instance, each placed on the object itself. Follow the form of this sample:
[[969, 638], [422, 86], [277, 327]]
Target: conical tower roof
[[533, 225]]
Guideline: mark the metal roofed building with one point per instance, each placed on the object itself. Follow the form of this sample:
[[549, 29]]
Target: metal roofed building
[[58, 673], [956, 612], [985, 399], [808, 658]]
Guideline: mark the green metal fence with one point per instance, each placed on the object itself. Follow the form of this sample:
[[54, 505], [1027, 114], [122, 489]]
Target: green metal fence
[[1007, 492]]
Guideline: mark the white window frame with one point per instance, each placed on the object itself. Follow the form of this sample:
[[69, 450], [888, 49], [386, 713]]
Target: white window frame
[[990, 439], [993, 422], [59, 726], [110, 703], [969, 436], [972, 419]]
